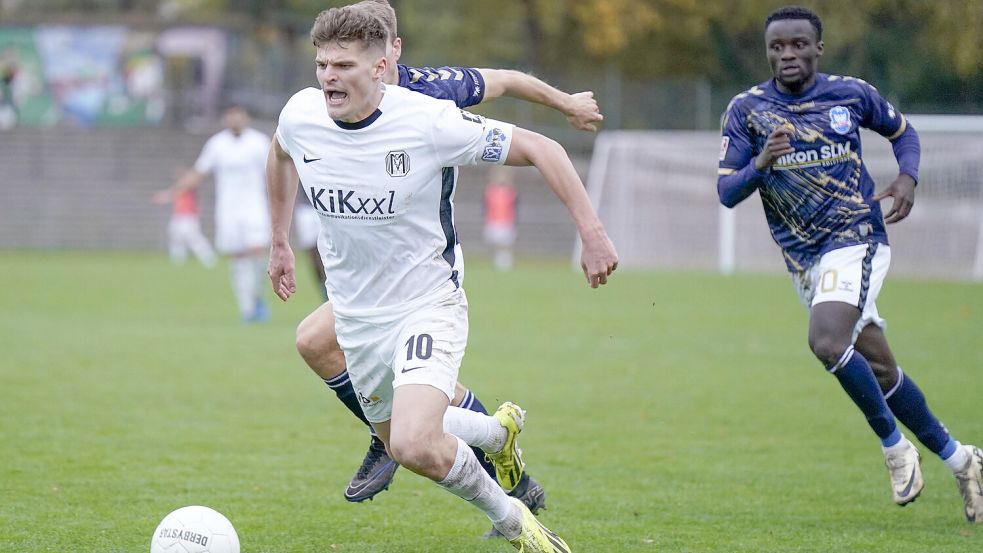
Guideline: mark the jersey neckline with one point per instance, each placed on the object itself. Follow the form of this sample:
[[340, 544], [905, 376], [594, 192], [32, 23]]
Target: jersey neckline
[[359, 124], [794, 97]]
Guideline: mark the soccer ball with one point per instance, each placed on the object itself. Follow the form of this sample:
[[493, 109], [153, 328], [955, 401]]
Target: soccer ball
[[195, 529]]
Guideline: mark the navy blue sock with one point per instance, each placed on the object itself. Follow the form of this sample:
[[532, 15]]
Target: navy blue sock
[[342, 387], [908, 403], [471, 403], [857, 379]]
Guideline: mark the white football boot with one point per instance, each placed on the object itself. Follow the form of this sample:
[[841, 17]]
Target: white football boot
[[970, 482], [905, 470]]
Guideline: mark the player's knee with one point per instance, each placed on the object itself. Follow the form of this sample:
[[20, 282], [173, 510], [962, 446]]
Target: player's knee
[[827, 349], [306, 340], [320, 350], [412, 452]]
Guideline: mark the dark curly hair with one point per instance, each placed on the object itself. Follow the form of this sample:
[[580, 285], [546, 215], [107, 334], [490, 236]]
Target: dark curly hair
[[797, 12]]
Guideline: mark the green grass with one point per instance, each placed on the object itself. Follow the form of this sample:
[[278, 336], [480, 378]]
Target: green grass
[[666, 413]]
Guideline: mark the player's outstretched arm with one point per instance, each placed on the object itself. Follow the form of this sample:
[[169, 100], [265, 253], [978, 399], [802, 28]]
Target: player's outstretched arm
[[580, 109], [281, 186], [598, 259], [189, 179]]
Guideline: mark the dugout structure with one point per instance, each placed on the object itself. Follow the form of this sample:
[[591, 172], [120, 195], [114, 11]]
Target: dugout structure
[[656, 193]]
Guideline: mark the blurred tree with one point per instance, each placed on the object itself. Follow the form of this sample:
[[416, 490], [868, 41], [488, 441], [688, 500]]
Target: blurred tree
[[917, 52]]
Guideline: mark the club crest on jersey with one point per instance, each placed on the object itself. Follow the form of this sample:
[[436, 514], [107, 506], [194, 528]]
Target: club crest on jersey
[[839, 119], [493, 150], [397, 164], [492, 153]]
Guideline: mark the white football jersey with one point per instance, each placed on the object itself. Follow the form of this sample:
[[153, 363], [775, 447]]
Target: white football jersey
[[384, 191], [238, 164]]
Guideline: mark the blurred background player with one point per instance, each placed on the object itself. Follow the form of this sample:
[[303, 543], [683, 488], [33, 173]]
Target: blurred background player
[[306, 228], [184, 230], [316, 340], [236, 158], [8, 73], [796, 140], [500, 209]]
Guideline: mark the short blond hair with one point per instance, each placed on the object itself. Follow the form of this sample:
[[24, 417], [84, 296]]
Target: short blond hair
[[350, 24]]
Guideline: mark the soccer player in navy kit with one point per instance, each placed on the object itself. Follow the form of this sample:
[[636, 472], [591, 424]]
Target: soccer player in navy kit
[[795, 140]]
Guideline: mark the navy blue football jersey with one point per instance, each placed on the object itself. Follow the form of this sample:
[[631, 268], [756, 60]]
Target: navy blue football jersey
[[461, 85], [817, 198]]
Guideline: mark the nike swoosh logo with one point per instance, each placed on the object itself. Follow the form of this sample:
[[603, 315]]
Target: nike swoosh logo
[[310, 160], [405, 370], [911, 482]]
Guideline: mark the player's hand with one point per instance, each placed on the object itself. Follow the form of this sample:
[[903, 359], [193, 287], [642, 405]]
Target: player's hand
[[903, 192], [778, 143], [281, 271], [598, 258], [582, 111]]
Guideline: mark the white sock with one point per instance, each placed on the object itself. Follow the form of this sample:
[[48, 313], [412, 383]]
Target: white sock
[[957, 461], [244, 285], [471, 483], [203, 250], [476, 429]]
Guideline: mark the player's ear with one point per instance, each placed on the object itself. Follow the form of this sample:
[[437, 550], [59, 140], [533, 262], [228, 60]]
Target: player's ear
[[819, 48], [397, 48], [379, 69]]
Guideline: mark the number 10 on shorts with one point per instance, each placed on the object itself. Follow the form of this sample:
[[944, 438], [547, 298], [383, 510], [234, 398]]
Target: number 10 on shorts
[[420, 346]]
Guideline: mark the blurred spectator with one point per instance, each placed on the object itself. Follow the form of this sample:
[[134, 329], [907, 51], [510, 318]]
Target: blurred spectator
[[306, 227], [184, 230], [8, 72], [500, 209]]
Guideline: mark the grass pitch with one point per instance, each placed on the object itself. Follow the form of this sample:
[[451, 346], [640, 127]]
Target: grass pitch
[[666, 413]]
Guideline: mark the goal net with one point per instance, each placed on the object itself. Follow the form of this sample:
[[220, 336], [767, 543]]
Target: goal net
[[656, 193]]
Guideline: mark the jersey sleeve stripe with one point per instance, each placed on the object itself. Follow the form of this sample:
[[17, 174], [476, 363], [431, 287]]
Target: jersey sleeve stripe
[[901, 128]]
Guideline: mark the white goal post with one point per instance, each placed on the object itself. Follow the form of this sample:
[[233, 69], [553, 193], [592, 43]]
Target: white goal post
[[656, 193]]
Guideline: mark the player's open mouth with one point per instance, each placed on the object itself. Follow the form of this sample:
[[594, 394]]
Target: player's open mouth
[[336, 97], [790, 70]]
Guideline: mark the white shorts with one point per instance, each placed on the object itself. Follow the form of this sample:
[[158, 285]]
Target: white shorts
[[500, 235], [184, 228], [851, 275], [425, 346], [236, 236]]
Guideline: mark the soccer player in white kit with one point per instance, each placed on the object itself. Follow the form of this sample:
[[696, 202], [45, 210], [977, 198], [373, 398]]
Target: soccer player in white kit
[[236, 157], [316, 341], [380, 166]]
